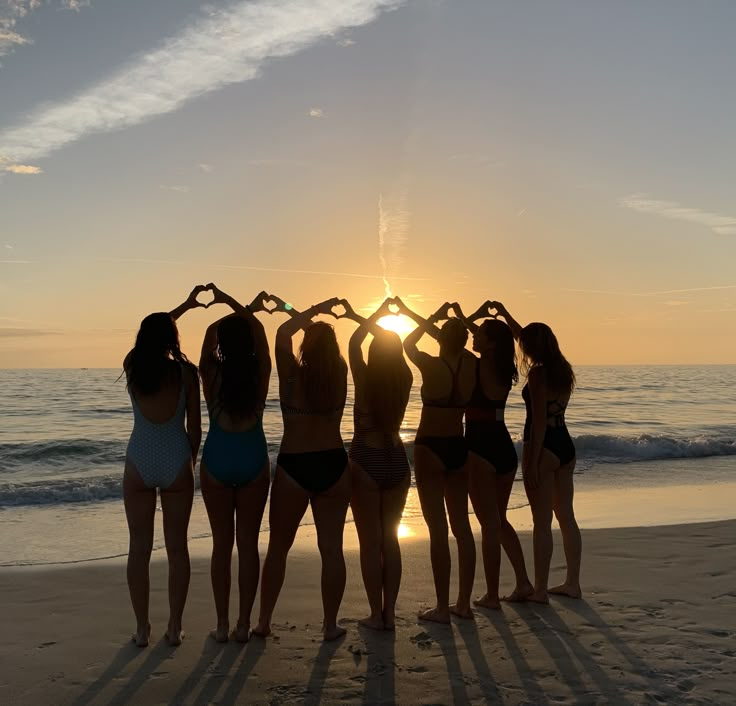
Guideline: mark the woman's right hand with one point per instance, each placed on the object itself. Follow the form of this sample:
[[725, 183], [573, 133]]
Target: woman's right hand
[[192, 302]]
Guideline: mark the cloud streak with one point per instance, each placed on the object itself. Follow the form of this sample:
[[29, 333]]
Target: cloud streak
[[719, 224], [226, 47]]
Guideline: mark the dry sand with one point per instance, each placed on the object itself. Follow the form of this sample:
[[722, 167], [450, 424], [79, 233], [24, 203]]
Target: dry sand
[[656, 626]]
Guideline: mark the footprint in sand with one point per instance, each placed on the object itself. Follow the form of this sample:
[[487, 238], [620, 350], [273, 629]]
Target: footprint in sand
[[44, 645], [422, 640]]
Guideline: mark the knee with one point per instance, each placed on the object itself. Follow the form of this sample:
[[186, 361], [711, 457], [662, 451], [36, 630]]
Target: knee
[[566, 518], [140, 549], [330, 550], [222, 544], [461, 529]]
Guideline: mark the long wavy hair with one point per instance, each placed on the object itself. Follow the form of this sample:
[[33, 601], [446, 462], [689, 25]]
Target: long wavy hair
[[388, 381], [238, 368], [539, 346], [156, 345], [322, 369], [453, 336], [504, 353]]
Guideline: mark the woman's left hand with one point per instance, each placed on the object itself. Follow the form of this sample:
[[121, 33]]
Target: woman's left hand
[[192, 302], [530, 472]]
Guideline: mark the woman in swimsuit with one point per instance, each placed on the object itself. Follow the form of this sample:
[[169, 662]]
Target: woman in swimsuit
[[235, 366], [380, 468], [312, 460], [492, 458], [164, 391], [440, 454], [548, 458]]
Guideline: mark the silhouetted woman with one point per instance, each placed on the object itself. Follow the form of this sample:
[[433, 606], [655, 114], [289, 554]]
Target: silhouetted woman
[[164, 391], [380, 468], [235, 366], [492, 458], [548, 458], [440, 453], [312, 463]]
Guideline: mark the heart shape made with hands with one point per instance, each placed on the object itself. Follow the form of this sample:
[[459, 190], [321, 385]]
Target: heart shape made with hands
[[269, 304], [338, 310], [393, 308], [492, 311], [205, 298]]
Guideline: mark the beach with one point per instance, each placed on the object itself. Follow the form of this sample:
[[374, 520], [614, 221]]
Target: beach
[[656, 625]]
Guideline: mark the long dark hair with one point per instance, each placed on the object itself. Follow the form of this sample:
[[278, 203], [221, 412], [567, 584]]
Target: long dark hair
[[453, 336], [322, 369], [238, 368], [156, 345], [388, 381], [539, 347], [504, 353]]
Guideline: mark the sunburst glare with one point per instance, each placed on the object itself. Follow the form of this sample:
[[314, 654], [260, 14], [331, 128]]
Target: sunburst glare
[[397, 324]]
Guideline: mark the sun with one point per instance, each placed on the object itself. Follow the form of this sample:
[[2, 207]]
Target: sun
[[398, 324]]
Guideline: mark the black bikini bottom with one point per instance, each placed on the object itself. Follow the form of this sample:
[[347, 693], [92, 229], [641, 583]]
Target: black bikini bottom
[[451, 450], [559, 442], [492, 442], [315, 471]]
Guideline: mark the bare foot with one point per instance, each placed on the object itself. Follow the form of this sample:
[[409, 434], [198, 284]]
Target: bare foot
[[263, 629], [220, 633], [372, 623], [241, 632], [519, 594], [488, 602], [435, 615], [175, 636], [333, 633], [141, 636], [538, 597], [389, 620], [464, 613], [567, 589]]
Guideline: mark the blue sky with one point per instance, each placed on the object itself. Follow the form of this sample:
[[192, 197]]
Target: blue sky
[[573, 159]]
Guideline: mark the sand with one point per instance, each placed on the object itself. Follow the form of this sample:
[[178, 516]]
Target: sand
[[656, 626]]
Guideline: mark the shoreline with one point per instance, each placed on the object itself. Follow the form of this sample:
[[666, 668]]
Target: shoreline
[[656, 625]]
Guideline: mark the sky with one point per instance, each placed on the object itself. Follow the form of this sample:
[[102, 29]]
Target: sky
[[574, 160]]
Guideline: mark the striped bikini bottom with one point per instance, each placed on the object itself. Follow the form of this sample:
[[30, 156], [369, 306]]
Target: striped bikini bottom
[[387, 465]]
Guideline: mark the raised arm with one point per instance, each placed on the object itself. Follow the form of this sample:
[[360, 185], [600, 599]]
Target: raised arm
[[423, 326], [468, 321], [260, 340], [365, 326], [502, 311], [189, 303], [299, 320]]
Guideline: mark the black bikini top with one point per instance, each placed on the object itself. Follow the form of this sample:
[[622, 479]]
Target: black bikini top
[[555, 408]]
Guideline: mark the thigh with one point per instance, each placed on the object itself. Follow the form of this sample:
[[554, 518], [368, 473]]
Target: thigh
[[429, 473], [393, 502], [219, 500], [176, 503], [365, 501], [330, 508], [250, 502], [504, 485], [482, 488], [456, 498], [288, 504], [540, 498], [140, 506]]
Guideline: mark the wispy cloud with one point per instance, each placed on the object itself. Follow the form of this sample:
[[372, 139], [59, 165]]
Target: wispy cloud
[[720, 224], [345, 42], [207, 168], [227, 46], [316, 113], [180, 188], [12, 11], [393, 230], [7, 166]]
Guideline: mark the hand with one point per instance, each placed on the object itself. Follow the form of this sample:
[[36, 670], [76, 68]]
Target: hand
[[259, 302], [281, 305], [219, 297], [349, 311], [495, 309], [326, 307], [456, 309], [385, 308], [400, 305], [192, 302], [530, 473], [443, 312]]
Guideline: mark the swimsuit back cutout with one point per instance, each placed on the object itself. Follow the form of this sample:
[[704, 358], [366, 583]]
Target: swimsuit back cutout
[[555, 408], [454, 399], [292, 410], [178, 416]]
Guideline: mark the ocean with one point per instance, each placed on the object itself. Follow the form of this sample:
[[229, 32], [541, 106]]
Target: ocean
[[63, 435]]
